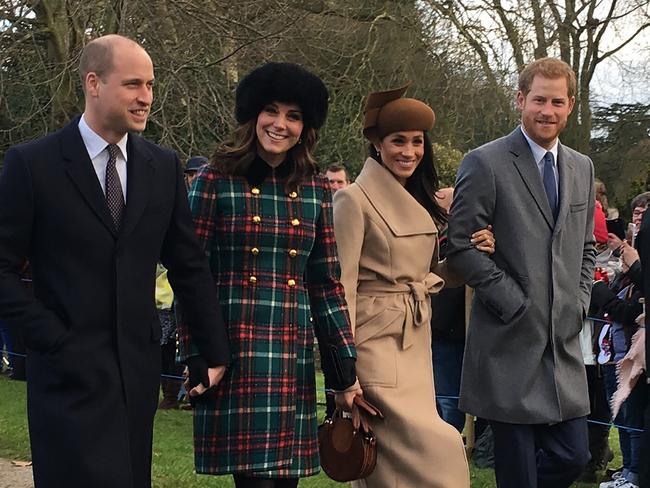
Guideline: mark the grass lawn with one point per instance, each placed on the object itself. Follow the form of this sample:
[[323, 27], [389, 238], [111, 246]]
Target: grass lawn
[[172, 452]]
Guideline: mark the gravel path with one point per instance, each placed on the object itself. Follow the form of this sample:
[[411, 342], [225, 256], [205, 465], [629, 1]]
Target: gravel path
[[14, 476]]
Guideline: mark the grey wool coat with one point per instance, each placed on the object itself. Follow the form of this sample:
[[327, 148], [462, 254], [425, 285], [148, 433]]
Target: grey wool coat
[[522, 356]]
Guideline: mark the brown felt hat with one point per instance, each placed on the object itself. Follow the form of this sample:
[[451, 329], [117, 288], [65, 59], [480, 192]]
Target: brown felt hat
[[388, 112]]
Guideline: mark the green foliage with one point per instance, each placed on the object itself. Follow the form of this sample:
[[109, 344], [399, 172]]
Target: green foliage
[[448, 159], [621, 151]]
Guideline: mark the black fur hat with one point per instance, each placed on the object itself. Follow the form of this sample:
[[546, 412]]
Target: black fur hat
[[282, 82]]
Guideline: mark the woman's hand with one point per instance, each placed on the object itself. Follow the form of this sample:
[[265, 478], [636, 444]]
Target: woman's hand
[[629, 256], [484, 240], [613, 242], [344, 399]]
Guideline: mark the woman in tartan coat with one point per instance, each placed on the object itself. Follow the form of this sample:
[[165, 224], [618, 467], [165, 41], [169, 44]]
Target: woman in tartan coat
[[264, 217]]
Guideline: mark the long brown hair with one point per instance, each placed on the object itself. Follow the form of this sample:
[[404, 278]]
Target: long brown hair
[[234, 156]]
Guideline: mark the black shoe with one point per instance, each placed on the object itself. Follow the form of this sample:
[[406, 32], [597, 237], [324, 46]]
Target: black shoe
[[608, 455]]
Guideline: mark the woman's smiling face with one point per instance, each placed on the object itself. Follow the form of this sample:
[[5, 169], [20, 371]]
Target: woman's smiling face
[[401, 152], [279, 126]]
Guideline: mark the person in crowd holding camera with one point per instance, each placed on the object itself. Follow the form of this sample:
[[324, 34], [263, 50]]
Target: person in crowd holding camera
[[264, 217]]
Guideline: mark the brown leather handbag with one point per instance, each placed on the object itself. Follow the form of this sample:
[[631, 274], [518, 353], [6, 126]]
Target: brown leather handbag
[[347, 446]]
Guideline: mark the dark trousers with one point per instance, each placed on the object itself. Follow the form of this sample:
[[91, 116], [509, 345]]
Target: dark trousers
[[447, 365], [598, 433], [170, 386], [540, 455]]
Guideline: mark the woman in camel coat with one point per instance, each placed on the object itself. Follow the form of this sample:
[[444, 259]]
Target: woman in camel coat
[[386, 233]]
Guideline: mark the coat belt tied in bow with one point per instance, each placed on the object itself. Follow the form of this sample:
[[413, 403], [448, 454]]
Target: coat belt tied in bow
[[416, 303], [419, 305]]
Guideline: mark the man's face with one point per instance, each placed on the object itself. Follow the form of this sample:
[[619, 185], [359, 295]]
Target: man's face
[[121, 99], [545, 109], [189, 178], [637, 216], [337, 180]]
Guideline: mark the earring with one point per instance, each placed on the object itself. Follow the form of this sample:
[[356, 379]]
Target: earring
[[300, 141]]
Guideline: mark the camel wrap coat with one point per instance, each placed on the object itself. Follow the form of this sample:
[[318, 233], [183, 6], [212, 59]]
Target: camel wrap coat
[[386, 241]]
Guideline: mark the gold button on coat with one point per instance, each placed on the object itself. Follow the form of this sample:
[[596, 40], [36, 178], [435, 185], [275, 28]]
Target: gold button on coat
[[293, 194], [291, 283], [252, 279], [255, 191], [257, 219], [295, 222], [293, 253], [255, 251]]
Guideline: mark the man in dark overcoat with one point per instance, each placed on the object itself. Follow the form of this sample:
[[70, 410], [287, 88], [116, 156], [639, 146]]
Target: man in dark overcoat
[[94, 207], [523, 367]]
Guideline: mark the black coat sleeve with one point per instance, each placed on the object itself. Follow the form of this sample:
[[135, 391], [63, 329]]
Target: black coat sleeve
[[190, 277]]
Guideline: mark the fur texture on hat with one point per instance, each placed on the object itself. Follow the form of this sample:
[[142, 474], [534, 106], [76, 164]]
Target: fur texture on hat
[[282, 82]]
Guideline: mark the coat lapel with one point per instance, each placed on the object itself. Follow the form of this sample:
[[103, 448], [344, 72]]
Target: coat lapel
[[401, 212], [80, 169], [527, 168], [140, 173], [566, 171]]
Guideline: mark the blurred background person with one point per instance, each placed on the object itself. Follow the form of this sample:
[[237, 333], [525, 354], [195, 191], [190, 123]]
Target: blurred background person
[[338, 177], [192, 166], [165, 307]]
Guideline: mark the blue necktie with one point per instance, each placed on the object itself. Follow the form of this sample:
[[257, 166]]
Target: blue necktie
[[549, 183]]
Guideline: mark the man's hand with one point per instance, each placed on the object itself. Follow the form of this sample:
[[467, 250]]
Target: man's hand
[[613, 242]]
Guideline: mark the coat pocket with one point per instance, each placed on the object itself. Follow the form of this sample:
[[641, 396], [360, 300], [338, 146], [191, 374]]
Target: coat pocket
[[377, 341], [578, 207]]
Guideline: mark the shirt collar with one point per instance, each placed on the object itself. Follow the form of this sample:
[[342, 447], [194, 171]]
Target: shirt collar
[[94, 143], [538, 151]]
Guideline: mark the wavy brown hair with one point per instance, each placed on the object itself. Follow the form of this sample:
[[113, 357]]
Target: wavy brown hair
[[234, 156]]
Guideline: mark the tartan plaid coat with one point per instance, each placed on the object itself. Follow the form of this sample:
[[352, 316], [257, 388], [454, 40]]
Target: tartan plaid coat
[[273, 258]]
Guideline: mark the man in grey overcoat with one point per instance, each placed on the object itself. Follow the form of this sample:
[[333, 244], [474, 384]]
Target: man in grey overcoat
[[523, 367]]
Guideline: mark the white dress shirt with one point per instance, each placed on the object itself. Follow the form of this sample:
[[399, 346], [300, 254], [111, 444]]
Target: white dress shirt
[[98, 152], [538, 155]]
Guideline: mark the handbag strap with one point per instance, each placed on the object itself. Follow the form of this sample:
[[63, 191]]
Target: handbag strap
[[361, 408], [360, 419], [368, 407]]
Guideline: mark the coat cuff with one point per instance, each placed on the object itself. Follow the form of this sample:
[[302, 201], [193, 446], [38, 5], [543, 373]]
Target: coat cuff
[[340, 372]]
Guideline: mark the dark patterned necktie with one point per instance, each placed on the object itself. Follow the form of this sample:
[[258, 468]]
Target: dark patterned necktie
[[114, 195], [549, 183]]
